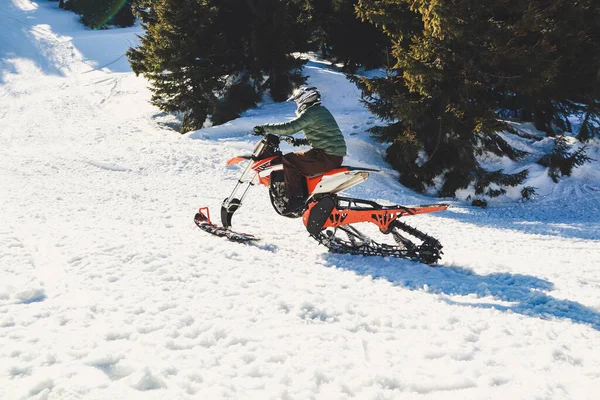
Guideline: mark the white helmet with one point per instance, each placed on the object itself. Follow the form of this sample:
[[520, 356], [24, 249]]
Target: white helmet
[[305, 96]]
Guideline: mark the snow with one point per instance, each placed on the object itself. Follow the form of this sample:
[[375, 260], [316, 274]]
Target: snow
[[109, 291]]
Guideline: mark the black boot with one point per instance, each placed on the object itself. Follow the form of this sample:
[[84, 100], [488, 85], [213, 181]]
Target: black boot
[[294, 204]]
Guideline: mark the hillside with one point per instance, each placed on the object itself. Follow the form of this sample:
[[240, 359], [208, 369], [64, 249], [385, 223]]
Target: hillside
[[109, 291]]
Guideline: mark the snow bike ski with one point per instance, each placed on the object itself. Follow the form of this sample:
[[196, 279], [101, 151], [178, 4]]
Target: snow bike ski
[[329, 218], [202, 220]]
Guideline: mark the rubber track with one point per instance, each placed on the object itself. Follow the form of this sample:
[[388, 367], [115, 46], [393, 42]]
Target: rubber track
[[429, 252]]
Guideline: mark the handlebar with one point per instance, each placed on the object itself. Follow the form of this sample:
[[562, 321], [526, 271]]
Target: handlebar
[[287, 138], [293, 141]]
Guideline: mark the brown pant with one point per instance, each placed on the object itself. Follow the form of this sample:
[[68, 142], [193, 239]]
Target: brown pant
[[309, 162]]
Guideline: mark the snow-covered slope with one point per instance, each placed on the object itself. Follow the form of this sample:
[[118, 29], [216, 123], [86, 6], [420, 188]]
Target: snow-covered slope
[[109, 291]]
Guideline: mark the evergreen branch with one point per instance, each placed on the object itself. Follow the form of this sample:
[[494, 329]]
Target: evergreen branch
[[521, 133], [560, 162]]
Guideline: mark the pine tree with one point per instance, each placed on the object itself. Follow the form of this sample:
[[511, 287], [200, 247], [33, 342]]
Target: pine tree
[[98, 13], [344, 38], [124, 16], [211, 57], [560, 162], [66, 4], [555, 52], [435, 96], [277, 28], [456, 64], [590, 125]]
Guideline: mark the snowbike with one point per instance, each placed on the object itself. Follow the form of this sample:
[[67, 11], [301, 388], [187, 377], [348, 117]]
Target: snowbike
[[328, 217]]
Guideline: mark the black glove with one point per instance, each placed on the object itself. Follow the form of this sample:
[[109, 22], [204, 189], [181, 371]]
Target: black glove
[[258, 130], [301, 142]]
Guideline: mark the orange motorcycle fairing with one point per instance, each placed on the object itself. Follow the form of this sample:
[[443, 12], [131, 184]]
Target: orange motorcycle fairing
[[312, 182], [381, 217], [238, 159]]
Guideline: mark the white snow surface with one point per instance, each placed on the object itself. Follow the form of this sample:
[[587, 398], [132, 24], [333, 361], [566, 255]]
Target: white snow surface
[[109, 291]]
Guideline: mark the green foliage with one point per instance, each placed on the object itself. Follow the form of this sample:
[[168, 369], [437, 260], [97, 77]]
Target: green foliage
[[124, 16], [217, 57], [344, 38], [494, 143], [560, 162], [461, 66], [482, 203], [590, 126], [527, 193], [66, 4], [483, 179], [276, 28], [238, 98], [554, 54], [98, 13]]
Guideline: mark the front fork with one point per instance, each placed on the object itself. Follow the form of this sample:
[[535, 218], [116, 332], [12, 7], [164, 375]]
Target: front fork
[[234, 201]]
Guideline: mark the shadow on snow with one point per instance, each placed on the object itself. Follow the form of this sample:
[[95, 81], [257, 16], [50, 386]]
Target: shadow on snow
[[528, 294], [566, 219]]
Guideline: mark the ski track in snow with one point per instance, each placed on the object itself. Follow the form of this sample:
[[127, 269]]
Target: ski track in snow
[[109, 291]]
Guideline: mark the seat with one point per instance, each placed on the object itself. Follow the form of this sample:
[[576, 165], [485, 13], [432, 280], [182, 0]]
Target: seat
[[343, 168]]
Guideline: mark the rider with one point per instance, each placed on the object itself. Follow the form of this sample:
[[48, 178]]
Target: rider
[[322, 134]]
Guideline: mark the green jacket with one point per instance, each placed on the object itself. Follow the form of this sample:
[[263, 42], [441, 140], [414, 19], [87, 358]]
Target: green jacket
[[319, 127]]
